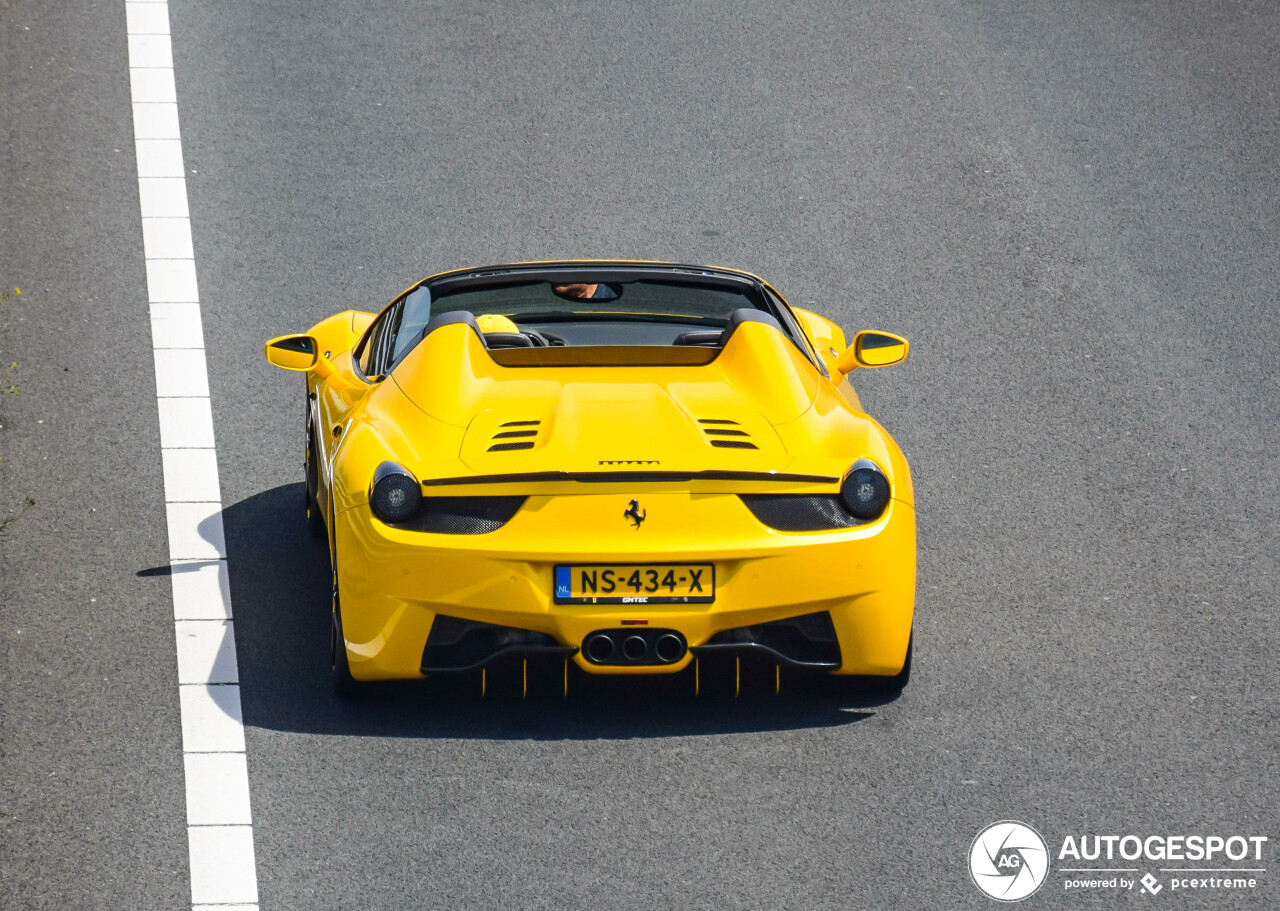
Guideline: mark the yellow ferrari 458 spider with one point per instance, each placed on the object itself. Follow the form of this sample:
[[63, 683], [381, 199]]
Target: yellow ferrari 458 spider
[[631, 467]]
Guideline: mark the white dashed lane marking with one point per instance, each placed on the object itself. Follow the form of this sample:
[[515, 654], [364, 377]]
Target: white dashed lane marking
[[219, 821]]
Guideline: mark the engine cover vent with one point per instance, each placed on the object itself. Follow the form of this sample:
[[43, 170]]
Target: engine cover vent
[[517, 429], [725, 434]]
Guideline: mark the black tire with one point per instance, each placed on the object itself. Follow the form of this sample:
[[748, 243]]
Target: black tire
[[315, 519], [344, 685]]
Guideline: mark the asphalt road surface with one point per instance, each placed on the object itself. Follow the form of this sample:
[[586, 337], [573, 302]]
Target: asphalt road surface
[[1071, 210]]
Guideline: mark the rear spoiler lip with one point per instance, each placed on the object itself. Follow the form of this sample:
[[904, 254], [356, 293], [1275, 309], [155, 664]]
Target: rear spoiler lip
[[632, 477]]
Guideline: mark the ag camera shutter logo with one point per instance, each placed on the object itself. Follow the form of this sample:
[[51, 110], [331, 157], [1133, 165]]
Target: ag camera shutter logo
[[1008, 861]]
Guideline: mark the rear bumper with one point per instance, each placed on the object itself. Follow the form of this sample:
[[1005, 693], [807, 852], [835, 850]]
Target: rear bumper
[[394, 582]]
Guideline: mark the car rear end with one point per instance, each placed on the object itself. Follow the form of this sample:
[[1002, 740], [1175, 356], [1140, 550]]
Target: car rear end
[[624, 577]]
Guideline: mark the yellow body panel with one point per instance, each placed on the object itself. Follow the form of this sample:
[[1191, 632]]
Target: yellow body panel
[[865, 577], [438, 412]]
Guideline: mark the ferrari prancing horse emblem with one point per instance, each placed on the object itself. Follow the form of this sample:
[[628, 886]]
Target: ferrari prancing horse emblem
[[634, 513]]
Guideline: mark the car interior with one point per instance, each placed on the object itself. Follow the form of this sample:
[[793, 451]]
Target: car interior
[[580, 308]]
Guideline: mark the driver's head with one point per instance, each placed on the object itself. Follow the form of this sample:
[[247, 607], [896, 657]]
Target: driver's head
[[580, 290]]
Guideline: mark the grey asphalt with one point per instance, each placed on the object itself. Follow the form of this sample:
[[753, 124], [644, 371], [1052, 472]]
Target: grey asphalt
[[92, 813], [1069, 208]]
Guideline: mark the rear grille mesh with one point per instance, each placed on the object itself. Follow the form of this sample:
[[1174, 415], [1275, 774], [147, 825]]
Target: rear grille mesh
[[798, 512], [463, 515], [508, 447]]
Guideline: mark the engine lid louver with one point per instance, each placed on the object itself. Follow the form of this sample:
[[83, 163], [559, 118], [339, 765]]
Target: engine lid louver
[[531, 429], [601, 430], [725, 434]]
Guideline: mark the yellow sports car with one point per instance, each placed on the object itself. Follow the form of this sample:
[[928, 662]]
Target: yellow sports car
[[631, 467]]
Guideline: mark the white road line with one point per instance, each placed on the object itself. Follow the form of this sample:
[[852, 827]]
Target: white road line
[[186, 423], [159, 157], [172, 281], [150, 51], [219, 822], [195, 531], [206, 652], [167, 238], [155, 121], [201, 590], [217, 789], [143, 18], [191, 476], [175, 325], [162, 197], [211, 720], [181, 373], [222, 868], [152, 83]]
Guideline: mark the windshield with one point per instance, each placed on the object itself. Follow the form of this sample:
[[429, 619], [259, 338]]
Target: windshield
[[543, 300], [580, 313], [580, 308]]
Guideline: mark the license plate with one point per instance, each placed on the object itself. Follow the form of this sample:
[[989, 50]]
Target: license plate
[[636, 583]]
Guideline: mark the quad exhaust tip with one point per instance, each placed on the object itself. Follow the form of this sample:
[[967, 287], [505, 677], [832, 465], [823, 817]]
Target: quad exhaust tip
[[669, 648], [599, 648]]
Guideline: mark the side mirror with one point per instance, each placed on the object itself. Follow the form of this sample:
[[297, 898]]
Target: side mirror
[[293, 352], [873, 349]]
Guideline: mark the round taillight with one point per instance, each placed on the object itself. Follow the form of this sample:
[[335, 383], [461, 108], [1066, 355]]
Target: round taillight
[[396, 494], [865, 492]]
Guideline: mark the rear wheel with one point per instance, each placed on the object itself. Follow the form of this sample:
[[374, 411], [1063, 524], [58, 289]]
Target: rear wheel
[[344, 685], [315, 521]]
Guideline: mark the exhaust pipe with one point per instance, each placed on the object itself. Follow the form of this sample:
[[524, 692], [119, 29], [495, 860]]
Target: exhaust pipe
[[669, 648], [635, 648], [599, 648]]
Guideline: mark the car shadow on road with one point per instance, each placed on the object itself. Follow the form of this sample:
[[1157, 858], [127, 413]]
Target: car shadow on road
[[279, 578]]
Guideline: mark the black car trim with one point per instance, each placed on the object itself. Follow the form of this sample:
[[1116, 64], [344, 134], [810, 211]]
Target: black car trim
[[756, 648], [650, 477], [455, 645], [806, 641]]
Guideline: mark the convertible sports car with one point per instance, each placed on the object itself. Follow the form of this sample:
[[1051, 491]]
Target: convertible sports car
[[631, 467]]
